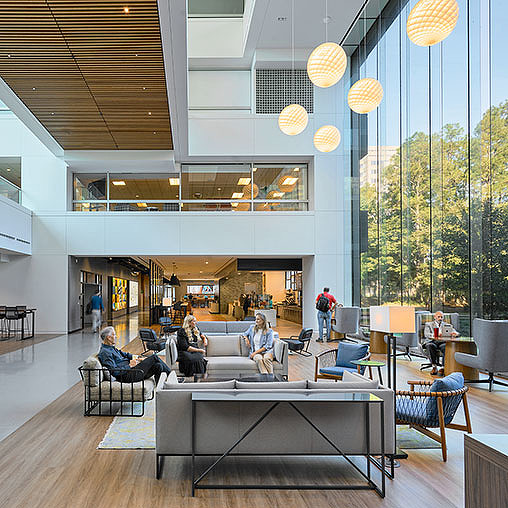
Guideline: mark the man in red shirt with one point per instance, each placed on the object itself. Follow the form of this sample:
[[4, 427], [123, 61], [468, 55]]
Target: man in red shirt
[[324, 309]]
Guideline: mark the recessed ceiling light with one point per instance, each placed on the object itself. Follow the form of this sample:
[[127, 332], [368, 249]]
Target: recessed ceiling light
[[174, 181], [137, 195], [8, 56], [243, 181], [200, 271], [52, 113], [219, 188], [237, 195], [136, 54], [206, 262], [149, 112], [296, 169], [126, 10], [144, 88], [33, 88], [8, 169], [118, 182], [154, 132]]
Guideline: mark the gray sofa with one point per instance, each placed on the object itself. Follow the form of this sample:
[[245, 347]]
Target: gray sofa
[[211, 328], [228, 355], [220, 424]]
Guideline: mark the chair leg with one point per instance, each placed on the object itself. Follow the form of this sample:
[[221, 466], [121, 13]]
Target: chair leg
[[466, 414], [442, 427], [491, 380]]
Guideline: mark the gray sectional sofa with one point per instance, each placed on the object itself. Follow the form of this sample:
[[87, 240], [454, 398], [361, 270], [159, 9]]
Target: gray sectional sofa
[[228, 355], [284, 431]]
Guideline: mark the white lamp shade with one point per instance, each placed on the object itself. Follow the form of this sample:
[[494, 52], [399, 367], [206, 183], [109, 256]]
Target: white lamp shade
[[365, 95], [166, 302], [293, 119], [326, 64], [392, 319], [327, 138], [431, 21]]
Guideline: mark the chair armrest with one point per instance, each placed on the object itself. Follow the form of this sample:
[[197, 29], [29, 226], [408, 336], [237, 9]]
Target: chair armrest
[[327, 352], [420, 382]]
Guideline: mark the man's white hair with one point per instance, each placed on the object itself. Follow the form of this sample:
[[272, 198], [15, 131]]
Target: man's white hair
[[106, 332]]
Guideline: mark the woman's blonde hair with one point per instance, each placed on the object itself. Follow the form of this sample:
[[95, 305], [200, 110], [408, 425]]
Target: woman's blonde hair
[[265, 326], [186, 325]]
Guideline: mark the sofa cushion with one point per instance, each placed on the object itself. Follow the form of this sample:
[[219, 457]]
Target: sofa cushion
[[244, 349], [217, 385], [237, 326], [223, 345], [92, 377], [349, 352], [278, 349], [270, 385], [125, 392], [172, 378], [354, 377], [454, 381], [212, 326], [336, 371], [173, 351], [239, 363]]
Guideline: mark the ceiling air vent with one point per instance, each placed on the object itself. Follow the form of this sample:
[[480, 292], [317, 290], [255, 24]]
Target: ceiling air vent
[[277, 88]]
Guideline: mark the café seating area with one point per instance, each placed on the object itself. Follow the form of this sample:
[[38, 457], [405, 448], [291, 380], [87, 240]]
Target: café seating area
[[16, 322]]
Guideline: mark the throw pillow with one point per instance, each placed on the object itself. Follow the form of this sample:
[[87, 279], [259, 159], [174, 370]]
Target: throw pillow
[[349, 352], [218, 385], [290, 385], [454, 381], [343, 385]]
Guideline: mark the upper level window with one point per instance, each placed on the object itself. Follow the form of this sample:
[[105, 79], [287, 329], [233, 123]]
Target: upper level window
[[10, 178]]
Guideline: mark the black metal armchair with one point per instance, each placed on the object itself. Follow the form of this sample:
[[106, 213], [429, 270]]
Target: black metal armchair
[[150, 340], [300, 343]]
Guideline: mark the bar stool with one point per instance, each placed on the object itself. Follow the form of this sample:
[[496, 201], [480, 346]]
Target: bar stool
[[11, 315], [21, 311]]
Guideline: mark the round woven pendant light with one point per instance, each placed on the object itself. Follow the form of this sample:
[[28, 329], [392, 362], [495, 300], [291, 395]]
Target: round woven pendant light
[[286, 183], [327, 138], [326, 64], [293, 119], [247, 189], [431, 21], [365, 95], [240, 207]]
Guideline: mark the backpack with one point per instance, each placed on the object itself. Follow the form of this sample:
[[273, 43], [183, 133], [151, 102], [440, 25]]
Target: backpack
[[323, 304]]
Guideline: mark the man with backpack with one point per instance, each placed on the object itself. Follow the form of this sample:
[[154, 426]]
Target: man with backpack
[[325, 302]]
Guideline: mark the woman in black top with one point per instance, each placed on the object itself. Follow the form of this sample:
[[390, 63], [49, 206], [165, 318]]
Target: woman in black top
[[191, 359]]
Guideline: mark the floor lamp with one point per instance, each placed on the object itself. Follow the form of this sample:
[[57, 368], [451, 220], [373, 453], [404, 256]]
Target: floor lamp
[[391, 319]]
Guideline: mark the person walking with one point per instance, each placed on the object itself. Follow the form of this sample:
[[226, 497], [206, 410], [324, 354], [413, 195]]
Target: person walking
[[325, 303], [97, 308]]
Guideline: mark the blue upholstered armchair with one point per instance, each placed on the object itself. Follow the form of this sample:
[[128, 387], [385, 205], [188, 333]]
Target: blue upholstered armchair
[[435, 408], [331, 364]]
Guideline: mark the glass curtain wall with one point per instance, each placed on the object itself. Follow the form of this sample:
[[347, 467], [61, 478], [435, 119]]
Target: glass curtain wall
[[431, 166]]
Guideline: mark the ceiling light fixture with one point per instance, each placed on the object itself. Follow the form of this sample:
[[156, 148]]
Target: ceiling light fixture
[[254, 169], [365, 95], [118, 182], [243, 181], [33, 88], [142, 205], [126, 10], [327, 138], [237, 195], [431, 21], [8, 169], [293, 118], [296, 169], [174, 181], [328, 62], [286, 184], [250, 189], [206, 262], [149, 112]]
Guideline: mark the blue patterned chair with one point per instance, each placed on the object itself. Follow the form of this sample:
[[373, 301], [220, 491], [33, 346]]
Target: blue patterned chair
[[435, 408], [331, 364]]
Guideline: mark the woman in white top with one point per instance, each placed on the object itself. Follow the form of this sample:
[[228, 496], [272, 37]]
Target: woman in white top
[[259, 339]]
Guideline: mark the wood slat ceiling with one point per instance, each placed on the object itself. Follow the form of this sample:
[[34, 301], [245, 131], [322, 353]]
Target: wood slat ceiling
[[92, 74]]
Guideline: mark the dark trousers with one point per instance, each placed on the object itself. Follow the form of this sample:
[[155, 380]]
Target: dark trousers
[[435, 348], [151, 366]]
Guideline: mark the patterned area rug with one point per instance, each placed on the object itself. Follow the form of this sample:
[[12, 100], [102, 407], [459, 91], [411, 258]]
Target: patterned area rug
[[411, 439], [128, 433], [131, 433]]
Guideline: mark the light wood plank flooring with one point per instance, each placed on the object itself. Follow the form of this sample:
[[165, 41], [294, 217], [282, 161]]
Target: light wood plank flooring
[[52, 461]]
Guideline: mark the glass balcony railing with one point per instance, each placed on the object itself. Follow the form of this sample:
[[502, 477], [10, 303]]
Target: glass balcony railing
[[9, 190]]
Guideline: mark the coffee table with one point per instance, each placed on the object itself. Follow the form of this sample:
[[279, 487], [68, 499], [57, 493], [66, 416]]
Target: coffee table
[[248, 378]]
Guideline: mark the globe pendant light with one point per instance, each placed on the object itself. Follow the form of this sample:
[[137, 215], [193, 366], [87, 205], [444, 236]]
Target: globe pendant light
[[365, 95], [431, 21], [327, 138], [250, 188], [326, 64], [293, 118], [287, 183]]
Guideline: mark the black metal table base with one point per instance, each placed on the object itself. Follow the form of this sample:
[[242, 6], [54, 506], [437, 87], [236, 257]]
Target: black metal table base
[[370, 485]]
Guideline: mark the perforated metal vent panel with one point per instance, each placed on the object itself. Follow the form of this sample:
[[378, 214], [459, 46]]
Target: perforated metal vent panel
[[277, 88]]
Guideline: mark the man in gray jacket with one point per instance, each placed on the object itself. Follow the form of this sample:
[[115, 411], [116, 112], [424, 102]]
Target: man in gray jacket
[[434, 346]]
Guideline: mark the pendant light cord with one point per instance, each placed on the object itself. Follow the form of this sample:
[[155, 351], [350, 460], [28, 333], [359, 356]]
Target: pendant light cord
[[293, 50], [326, 20]]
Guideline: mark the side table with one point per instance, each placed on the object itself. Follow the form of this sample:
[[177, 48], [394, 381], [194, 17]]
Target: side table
[[370, 364]]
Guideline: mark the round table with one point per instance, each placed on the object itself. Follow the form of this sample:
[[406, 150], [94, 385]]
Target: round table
[[459, 345], [370, 364]]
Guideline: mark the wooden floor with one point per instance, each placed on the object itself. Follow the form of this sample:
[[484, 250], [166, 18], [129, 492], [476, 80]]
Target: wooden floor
[[13, 344], [52, 461]]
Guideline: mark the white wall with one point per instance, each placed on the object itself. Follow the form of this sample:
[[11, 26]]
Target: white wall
[[215, 37]]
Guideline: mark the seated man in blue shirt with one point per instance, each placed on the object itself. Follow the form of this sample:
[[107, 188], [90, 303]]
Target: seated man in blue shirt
[[139, 368]]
